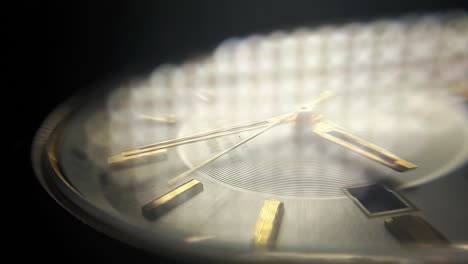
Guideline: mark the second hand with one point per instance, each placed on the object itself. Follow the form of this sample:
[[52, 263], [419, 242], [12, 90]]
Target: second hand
[[273, 123]]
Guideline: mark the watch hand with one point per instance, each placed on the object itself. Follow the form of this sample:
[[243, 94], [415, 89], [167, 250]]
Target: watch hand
[[209, 134], [334, 133], [272, 122], [199, 137]]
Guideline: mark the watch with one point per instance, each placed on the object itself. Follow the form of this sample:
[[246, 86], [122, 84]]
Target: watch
[[340, 143]]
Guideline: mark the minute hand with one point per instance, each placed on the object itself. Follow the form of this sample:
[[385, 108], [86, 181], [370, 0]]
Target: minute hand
[[238, 128]]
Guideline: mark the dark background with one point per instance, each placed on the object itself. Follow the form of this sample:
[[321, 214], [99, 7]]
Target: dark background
[[66, 47]]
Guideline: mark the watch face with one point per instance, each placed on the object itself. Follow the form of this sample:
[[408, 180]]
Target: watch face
[[310, 145]]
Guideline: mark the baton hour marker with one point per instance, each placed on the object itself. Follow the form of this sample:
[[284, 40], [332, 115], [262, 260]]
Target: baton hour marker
[[172, 199], [268, 224]]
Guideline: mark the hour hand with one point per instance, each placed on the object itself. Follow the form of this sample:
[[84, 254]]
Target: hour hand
[[334, 133]]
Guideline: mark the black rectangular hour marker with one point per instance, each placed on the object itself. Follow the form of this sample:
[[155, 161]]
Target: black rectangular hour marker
[[376, 200], [172, 199], [414, 229], [337, 135]]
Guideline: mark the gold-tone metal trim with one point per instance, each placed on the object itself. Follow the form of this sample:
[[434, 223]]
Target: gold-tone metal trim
[[268, 224], [334, 133], [172, 199], [52, 148]]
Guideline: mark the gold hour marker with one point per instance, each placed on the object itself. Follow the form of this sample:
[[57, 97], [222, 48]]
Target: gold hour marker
[[169, 119], [172, 199], [123, 160], [196, 239], [337, 135], [414, 229], [268, 223]]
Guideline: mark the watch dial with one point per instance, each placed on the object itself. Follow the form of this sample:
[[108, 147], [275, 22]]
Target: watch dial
[[317, 143]]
